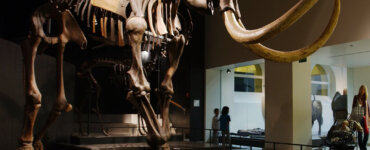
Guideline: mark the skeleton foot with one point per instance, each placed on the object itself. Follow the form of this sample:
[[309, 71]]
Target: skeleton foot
[[166, 147], [68, 108], [38, 145], [25, 146], [155, 137], [156, 143]]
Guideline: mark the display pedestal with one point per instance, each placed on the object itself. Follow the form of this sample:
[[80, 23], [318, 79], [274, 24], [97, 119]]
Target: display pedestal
[[123, 135]]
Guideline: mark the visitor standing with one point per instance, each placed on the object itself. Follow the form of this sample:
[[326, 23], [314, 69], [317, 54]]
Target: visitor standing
[[225, 126], [215, 126], [360, 113]]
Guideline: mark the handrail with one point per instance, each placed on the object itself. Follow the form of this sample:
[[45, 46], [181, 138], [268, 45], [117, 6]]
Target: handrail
[[254, 139], [240, 136]]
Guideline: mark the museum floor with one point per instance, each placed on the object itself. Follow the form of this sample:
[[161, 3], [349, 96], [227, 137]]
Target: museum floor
[[144, 146], [138, 146]]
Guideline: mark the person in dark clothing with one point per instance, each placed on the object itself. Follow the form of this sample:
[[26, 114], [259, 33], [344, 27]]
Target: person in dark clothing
[[225, 126]]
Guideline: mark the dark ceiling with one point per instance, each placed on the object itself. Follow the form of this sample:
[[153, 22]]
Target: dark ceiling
[[15, 16]]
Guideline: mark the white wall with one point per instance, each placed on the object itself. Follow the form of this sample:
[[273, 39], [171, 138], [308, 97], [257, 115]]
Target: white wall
[[227, 94], [360, 77], [350, 88], [213, 99], [340, 78], [246, 110], [250, 104], [301, 102]]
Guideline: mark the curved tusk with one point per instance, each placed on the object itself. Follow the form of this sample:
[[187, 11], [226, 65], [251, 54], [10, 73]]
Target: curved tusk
[[304, 52], [242, 35]]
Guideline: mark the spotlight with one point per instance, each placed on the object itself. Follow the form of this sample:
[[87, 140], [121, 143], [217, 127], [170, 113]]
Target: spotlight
[[145, 56], [228, 71]]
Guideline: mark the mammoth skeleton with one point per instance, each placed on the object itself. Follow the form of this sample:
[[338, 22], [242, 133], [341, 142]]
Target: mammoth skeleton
[[125, 22]]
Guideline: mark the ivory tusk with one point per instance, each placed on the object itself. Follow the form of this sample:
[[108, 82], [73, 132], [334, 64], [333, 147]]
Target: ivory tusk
[[242, 35], [290, 56]]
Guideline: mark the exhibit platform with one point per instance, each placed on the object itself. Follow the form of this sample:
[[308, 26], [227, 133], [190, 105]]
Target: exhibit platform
[[98, 141], [175, 145]]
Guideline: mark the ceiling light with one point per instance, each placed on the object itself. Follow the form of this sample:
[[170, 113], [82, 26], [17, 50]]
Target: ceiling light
[[228, 71]]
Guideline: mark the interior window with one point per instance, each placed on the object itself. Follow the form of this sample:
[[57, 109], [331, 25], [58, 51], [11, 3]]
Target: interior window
[[319, 81], [248, 79]]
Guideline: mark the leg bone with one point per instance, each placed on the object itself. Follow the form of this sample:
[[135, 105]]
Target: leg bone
[[32, 93], [175, 50]]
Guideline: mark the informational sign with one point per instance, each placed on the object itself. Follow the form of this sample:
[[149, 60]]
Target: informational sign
[[196, 103], [303, 60]]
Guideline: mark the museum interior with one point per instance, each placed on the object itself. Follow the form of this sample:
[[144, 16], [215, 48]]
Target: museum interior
[[149, 74]]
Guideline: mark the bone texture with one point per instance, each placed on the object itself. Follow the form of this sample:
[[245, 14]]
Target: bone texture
[[150, 23]]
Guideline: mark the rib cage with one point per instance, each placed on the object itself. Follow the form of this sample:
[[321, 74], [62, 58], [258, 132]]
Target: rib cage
[[109, 26], [118, 65]]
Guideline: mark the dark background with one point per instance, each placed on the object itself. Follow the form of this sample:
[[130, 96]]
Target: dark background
[[14, 24]]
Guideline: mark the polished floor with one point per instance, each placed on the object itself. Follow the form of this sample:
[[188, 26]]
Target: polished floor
[[324, 148], [174, 146], [139, 146]]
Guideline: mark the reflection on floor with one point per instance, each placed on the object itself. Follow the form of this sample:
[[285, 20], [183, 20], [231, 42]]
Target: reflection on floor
[[323, 148], [256, 148], [317, 136], [173, 145], [327, 148]]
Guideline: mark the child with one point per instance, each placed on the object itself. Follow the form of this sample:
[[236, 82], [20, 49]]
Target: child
[[215, 126], [225, 125]]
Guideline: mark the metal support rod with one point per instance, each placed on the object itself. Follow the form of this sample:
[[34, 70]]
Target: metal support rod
[[158, 36], [210, 139], [240, 137], [88, 116], [183, 135]]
